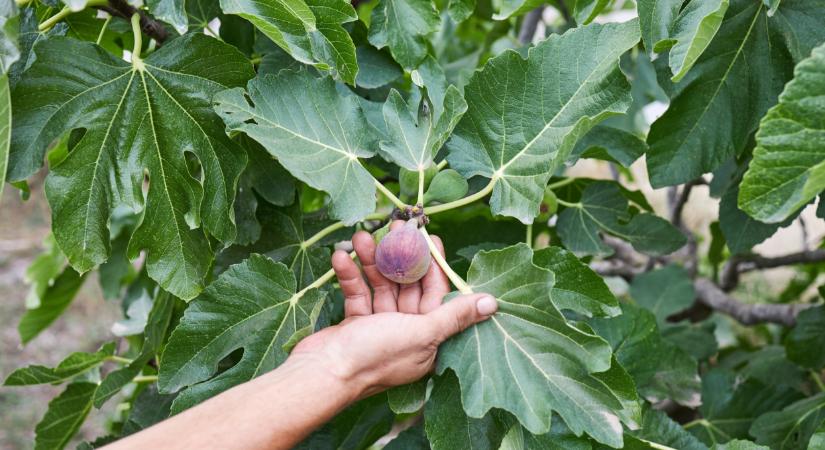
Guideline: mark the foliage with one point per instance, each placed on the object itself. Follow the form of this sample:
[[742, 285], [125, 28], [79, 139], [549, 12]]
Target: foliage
[[206, 163]]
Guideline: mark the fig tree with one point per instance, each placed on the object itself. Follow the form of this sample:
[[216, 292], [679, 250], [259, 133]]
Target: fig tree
[[402, 255]]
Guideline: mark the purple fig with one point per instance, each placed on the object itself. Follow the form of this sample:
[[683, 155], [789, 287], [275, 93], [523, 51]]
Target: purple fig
[[403, 255]]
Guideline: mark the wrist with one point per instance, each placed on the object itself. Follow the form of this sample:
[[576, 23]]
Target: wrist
[[338, 377]]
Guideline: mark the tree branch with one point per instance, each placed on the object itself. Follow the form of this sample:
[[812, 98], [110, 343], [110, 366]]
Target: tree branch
[[748, 263], [748, 314], [529, 25], [148, 25]]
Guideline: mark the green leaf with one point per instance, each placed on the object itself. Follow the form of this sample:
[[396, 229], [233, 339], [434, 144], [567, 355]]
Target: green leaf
[[791, 428], [402, 26], [64, 417], [686, 33], [5, 128], [172, 12], [137, 119], [697, 339], [53, 302], [72, 366], [559, 438], [634, 336], [461, 10], [723, 87], [663, 292], [693, 31], [740, 445], [656, 18], [42, 272], [29, 36], [611, 144], [376, 68], [788, 166], [408, 398], [286, 115], [729, 406], [529, 346], [741, 231], [806, 340], [515, 8], [155, 331], [518, 151], [264, 178], [311, 31], [413, 438], [577, 287], [355, 428], [447, 425], [284, 234], [657, 427], [254, 306], [9, 33], [602, 208], [447, 186], [585, 11], [415, 134], [149, 408]]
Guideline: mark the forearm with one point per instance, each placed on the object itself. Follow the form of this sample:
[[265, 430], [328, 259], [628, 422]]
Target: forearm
[[274, 411]]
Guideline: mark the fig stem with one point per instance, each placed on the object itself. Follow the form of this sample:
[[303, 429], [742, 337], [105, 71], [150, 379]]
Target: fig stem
[[464, 201], [335, 227], [529, 239], [145, 379], [815, 376], [561, 183], [568, 204], [457, 281], [387, 193], [442, 164], [119, 359], [420, 187], [322, 280]]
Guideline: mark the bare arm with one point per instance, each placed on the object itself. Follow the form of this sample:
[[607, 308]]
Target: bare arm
[[385, 341]]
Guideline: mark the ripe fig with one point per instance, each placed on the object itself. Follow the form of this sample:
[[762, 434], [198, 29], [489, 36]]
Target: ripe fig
[[403, 255]]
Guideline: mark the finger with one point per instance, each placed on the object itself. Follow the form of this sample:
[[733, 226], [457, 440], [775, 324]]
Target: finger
[[385, 291], [409, 295], [357, 301], [461, 312], [434, 285]]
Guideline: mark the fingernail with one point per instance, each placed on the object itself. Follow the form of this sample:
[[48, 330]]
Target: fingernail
[[486, 305]]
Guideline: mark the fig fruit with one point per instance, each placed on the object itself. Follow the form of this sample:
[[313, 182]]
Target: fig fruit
[[447, 186], [403, 255]]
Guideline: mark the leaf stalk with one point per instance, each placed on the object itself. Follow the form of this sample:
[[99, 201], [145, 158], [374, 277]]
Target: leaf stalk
[[387, 193], [335, 227], [464, 201]]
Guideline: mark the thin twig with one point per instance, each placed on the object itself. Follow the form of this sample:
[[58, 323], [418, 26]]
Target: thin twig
[[151, 27], [529, 25], [747, 314]]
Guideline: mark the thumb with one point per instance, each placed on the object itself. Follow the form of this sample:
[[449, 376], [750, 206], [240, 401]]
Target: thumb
[[461, 312]]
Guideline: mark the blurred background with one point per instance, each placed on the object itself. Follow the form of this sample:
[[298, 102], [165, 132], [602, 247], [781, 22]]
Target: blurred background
[[83, 327]]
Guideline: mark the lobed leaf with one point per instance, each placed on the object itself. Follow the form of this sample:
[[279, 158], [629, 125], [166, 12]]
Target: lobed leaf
[[528, 346], [525, 115], [788, 166], [254, 306], [317, 134], [137, 118]]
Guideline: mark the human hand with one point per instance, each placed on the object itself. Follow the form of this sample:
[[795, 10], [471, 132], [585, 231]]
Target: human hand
[[390, 337]]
